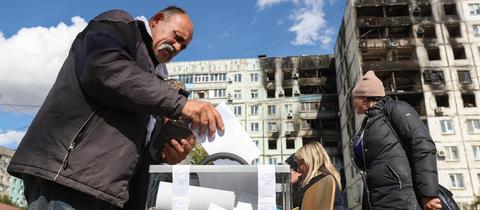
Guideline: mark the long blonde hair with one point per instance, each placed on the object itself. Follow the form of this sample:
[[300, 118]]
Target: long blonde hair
[[315, 157]]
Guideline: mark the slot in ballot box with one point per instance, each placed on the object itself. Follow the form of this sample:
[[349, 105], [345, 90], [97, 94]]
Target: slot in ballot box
[[218, 187]]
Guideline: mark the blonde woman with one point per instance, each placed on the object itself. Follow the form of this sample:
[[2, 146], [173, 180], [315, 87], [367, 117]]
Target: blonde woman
[[315, 165]]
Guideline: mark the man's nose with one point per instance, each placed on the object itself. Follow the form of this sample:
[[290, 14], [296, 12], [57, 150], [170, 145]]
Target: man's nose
[[177, 47]]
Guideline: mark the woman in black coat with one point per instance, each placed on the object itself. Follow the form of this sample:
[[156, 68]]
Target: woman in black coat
[[393, 150]]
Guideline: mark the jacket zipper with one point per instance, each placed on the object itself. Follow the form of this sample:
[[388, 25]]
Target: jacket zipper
[[73, 144], [389, 168]]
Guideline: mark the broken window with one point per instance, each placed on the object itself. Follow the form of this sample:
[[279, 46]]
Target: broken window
[[306, 140], [450, 9], [422, 11], [459, 52], [290, 143], [287, 76], [433, 54], [469, 100], [442, 100], [272, 144], [427, 31], [454, 30], [310, 89], [433, 77], [270, 93], [270, 76], [371, 33], [464, 77], [288, 92], [397, 11], [400, 32], [370, 11]]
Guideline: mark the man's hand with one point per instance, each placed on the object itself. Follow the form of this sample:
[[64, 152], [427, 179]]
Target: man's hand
[[431, 203], [203, 115], [174, 152]]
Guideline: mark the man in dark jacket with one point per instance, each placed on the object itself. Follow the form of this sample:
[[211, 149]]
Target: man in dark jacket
[[87, 147], [394, 151]]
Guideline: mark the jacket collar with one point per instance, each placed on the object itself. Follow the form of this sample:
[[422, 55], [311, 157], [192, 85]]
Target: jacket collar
[[378, 107]]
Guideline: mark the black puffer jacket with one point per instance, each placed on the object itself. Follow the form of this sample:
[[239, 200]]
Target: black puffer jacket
[[393, 134], [90, 132]]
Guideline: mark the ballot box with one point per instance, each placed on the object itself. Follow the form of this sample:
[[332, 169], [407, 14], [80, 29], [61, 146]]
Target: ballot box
[[219, 187]]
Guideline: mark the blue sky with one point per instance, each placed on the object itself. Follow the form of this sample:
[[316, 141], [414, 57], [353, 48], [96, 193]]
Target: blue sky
[[35, 36]]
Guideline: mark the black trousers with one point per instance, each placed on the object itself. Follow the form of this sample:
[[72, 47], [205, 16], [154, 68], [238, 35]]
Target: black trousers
[[47, 195]]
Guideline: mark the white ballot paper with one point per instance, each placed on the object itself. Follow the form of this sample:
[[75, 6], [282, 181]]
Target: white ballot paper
[[200, 198], [235, 140]]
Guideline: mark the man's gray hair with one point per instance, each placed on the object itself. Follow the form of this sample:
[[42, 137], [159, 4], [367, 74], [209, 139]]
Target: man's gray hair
[[170, 10]]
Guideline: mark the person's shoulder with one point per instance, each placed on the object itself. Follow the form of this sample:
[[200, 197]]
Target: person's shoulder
[[397, 105], [114, 15]]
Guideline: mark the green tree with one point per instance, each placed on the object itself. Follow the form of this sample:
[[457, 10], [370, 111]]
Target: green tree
[[475, 203], [6, 200], [197, 154]]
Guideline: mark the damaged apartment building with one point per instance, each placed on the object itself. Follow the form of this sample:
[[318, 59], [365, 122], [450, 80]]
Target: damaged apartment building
[[283, 102], [427, 53]]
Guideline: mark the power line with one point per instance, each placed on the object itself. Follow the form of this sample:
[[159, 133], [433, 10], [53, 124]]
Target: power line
[[20, 105], [14, 129]]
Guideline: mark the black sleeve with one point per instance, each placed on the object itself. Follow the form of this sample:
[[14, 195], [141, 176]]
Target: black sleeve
[[416, 138], [110, 75]]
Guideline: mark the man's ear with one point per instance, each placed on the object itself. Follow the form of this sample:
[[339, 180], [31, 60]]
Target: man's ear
[[159, 16]]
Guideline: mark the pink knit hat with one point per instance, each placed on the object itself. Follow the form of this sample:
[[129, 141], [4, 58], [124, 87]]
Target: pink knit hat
[[369, 86]]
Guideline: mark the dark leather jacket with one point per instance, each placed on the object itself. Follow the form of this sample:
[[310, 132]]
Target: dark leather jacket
[[90, 132]]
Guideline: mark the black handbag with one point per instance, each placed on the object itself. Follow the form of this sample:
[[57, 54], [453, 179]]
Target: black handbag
[[446, 197]]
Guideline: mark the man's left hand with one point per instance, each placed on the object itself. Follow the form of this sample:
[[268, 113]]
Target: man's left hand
[[431, 203], [177, 151]]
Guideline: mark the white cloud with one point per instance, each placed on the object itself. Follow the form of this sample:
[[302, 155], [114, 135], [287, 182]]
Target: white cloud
[[30, 60], [11, 138], [262, 4], [224, 35], [310, 25]]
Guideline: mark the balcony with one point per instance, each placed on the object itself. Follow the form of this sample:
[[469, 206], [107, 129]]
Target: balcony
[[360, 3], [371, 22], [391, 65], [312, 81], [384, 43]]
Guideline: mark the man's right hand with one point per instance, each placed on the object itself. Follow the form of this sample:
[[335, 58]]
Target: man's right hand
[[203, 115]]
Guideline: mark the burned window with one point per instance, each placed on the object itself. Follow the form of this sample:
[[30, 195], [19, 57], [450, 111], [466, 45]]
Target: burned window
[[270, 76], [422, 11], [454, 30], [450, 9], [442, 100], [433, 77], [433, 54], [371, 33], [306, 140], [287, 76], [464, 77], [272, 144], [290, 143], [397, 11], [400, 31], [469, 100], [370, 11], [288, 92], [427, 31], [270, 93], [459, 52]]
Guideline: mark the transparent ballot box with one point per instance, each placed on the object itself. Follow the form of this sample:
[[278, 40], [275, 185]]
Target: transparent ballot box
[[231, 187]]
